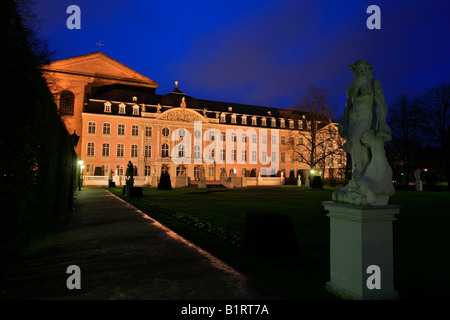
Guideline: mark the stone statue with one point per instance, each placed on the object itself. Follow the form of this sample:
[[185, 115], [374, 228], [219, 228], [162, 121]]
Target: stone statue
[[418, 180], [363, 126]]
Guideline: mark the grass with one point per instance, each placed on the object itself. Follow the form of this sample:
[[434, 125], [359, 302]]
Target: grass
[[421, 235]]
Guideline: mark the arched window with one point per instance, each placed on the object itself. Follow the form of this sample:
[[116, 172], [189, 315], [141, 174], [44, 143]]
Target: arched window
[[66, 103], [91, 127]]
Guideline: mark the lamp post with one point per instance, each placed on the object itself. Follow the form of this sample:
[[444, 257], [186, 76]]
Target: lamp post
[[73, 139], [80, 178]]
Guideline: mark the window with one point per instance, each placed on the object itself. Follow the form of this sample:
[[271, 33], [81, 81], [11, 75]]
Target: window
[[291, 124], [135, 109], [274, 157], [264, 157], [122, 108], [148, 151], [274, 122], [148, 170], [89, 169], [181, 132], [165, 150], [105, 169], [197, 152], [66, 103], [120, 150], [233, 137], [197, 134], [107, 106], [134, 130], [283, 157], [244, 155], [211, 171], [105, 150], [254, 121], [180, 151], [254, 138], [254, 156], [91, 127], [106, 128], [222, 154], [282, 123], [244, 119], [274, 139], [121, 129], [263, 122], [211, 135], [148, 131], [165, 168], [223, 117], [165, 132], [244, 137], [233, 155], [134, 150], [233, 118], [90, 149], [119, 170], [222, 136], [283, 140], [264, 139]]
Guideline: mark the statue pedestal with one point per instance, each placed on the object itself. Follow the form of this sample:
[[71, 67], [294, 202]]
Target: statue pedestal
[[361, 236]]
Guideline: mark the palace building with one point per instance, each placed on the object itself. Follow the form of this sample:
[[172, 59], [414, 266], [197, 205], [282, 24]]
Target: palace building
[[120, 118]]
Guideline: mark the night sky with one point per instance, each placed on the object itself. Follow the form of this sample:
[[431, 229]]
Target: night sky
[[259, 52]]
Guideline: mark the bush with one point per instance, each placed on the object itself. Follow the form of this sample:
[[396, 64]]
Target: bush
[[164, 182], [317, 182]]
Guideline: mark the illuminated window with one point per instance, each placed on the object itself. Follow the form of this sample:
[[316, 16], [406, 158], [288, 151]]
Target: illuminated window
[[107, 106], [121, 129], [122, 108], [135, 109], [90, 149], [134, 130], [233, 118], [254, 156], [91, 127], [282, 123], [148, 151], [244, 155], [253, 121], [119, 170], [274, 122], [223, 117], [120, 150], [134, 150], [105, 150], [165, 150], [106, 128], [263, 122], [244, 119], [148, 131], [197, 152], [66, 103]]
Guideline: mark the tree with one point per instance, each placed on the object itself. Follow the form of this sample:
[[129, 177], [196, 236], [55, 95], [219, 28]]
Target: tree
[[403, 119], [318, 135], [435, 121]]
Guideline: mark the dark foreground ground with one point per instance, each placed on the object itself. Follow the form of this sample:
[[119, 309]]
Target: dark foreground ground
[[122, 254]]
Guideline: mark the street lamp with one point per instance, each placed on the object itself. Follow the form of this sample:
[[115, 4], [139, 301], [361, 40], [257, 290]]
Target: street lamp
[[73, 139], [80, 178]]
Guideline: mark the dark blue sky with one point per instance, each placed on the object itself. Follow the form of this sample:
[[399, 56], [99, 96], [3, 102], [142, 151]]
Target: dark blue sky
[[260, 52]]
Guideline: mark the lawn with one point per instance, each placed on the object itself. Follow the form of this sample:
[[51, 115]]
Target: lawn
[[421, 235]]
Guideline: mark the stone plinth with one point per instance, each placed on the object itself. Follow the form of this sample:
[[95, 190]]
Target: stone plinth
[[361, 236]]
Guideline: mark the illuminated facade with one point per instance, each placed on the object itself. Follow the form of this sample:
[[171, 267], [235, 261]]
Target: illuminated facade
[[120, 118]]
